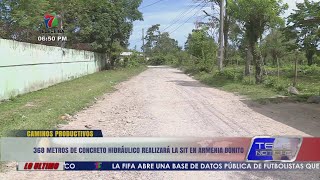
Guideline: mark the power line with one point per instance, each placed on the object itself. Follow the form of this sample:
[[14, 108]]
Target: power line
[[178, 18], [189, 18], [151, 4], [135, 41]]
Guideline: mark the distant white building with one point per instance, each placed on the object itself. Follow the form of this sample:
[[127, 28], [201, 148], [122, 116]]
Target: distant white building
[[129, 54], [126, 53]]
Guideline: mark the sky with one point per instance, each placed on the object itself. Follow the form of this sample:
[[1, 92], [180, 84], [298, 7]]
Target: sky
[[168, 13]]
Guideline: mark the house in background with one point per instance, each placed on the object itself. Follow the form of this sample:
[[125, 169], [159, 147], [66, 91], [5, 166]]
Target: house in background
[[125, 54], [128, 54]]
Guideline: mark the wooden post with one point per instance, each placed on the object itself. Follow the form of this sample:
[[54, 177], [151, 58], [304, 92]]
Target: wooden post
[[278, 69], [144, 53], [295, 70], [221, 55]]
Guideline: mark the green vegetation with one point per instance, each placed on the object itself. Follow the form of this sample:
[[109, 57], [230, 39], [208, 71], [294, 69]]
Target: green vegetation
[[260, 49], [43, 109], [276, 79], [303, 27], [256, 16], [159, 46], [232, 79], [2, 166], [99, 26], [244, 87]]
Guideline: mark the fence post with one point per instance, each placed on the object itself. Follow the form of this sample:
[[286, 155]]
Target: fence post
[[295, 70]]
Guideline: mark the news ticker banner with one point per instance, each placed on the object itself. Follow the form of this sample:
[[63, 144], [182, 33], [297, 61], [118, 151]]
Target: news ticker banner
[[167, 166], [256, 149]]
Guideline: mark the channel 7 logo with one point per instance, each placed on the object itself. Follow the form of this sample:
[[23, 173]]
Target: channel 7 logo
[[97, 165], [282, 149]]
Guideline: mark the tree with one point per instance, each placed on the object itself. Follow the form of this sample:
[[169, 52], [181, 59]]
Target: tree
[[106, 22], [22, 19], [275, 46], [226, 25], [99, 25], [200, 44], [256, 16], [115, 52], [152, 38], [158, 43], [303, 26], [166, 45]]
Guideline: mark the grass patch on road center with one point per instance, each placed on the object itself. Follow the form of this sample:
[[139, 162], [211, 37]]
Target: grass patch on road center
[[43, 109]]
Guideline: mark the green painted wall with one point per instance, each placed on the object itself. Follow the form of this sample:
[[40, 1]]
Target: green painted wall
[[26, 67]]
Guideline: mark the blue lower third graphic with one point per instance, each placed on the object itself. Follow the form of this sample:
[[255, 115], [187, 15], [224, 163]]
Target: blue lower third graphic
[[260, 149], [281, 149]]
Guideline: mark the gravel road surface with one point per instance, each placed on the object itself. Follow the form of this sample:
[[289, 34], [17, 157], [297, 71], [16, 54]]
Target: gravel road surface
[[164, 102]]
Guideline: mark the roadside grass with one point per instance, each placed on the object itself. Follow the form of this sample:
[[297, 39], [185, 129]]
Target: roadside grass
[[43, 109], [232, 80], [254, 92], [2, 166]]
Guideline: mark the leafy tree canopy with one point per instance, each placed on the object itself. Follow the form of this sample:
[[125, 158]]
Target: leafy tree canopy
[[304, 26], [99, 24], [158, 43], [255, 17]]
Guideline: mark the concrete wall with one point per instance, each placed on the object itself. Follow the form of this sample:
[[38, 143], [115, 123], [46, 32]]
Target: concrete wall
[[26, 67]]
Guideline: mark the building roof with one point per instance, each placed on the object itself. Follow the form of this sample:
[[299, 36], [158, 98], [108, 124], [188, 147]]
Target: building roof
[[129, 54], [126, 54]]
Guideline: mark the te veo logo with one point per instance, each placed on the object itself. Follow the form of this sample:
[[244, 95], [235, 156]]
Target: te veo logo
[[281, 149]]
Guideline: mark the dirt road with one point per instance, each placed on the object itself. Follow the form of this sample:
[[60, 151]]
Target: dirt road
[[165, 102]]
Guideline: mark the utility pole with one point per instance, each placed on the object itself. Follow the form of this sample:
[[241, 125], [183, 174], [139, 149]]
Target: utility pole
[[143, 50], [295, 69], [221, 37]]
